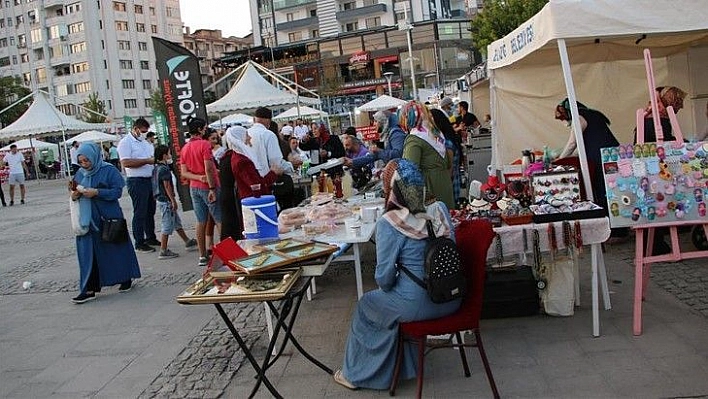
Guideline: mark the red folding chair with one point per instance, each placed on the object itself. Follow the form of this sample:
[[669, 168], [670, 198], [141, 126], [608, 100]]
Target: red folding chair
[[473, 240]]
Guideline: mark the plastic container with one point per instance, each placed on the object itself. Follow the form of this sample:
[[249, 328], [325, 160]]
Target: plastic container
[[260, 217]]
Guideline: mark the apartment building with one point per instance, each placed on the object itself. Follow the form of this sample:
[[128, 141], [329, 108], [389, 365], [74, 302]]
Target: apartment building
[[74, 48], [209, 45]]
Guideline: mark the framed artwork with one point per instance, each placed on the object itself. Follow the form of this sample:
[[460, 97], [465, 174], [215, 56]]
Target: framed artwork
[[229, 287]]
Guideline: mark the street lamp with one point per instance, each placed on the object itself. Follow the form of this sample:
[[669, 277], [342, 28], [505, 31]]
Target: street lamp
[[388, 76], [408, 27]]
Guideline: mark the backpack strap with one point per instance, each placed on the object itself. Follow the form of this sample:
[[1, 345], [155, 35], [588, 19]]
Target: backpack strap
[[412, 276], [431, 231]]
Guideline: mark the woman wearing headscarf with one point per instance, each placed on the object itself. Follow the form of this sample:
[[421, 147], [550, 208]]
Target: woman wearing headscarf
[[97, 186], [392, 136], [425, 147], [329, 146], [453, 143], [401, 237]]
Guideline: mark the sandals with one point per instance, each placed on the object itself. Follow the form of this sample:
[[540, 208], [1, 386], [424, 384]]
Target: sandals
[[341, 380]]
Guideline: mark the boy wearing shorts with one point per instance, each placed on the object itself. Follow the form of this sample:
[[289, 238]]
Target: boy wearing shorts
[[164, 192], [18, 169]]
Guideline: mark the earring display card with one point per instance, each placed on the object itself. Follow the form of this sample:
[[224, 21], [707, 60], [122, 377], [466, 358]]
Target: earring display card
[[556, 188], [655, 182]]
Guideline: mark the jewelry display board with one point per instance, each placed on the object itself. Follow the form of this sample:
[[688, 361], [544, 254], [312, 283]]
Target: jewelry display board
[[283, 252], [655, 182], [556, 188], [227, 287]]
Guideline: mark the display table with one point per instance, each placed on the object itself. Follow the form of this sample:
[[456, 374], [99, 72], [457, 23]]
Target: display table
[[642, 263], [284, 307], [594, 233]]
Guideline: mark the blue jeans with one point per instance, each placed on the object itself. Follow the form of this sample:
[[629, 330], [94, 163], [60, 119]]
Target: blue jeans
[[170, 218], [140, 191], [202, 206]]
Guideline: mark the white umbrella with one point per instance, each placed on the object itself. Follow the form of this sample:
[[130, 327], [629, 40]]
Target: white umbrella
[[382, 102], [232, 119], [305, 111]]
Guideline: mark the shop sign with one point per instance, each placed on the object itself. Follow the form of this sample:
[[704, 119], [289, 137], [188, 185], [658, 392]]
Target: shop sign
[[369, 133], [360, 57], [361, 83]]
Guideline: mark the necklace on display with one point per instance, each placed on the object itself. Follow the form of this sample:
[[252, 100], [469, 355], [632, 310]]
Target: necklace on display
[[538, 265]]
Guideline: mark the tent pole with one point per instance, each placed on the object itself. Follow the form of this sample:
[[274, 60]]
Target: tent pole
[[17, 102], [66, 155], [492, 109], [577, 130], [34, 160]]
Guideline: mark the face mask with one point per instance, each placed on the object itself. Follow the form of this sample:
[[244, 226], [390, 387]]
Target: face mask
[[169, 161]]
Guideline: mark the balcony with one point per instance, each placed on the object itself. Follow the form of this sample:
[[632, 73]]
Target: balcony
[[53, 3], [297, 24], [361, 11], [282, 4]]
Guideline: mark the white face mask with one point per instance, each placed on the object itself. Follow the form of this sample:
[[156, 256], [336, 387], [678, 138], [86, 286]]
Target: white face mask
[[168, 161]]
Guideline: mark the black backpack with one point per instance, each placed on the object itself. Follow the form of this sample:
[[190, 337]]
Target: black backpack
[[444, 279]]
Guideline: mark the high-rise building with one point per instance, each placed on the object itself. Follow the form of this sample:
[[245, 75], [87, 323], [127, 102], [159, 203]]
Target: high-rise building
[[279, 22], [74, 48], [209, 45]]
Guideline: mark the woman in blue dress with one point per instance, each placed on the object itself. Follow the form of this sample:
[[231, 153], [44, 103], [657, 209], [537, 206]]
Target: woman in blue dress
[[97, 186], [400, 239]]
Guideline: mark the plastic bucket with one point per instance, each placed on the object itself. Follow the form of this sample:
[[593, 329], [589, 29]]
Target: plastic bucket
[[260, 217]]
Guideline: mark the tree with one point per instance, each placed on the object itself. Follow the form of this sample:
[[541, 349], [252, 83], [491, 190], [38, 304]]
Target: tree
[[96, 107], [500, 17], [11, 90], [157, 102]]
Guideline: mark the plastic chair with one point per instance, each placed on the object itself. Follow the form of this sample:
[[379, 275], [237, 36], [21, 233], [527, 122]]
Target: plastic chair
[[473, 238]]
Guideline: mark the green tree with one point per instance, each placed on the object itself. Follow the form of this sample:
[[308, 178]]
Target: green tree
[[96, 107], [157, 102], [11, 90], [500, 17]]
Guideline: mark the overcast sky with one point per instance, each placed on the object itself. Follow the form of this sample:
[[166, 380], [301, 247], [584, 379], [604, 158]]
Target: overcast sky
[[233, 17]]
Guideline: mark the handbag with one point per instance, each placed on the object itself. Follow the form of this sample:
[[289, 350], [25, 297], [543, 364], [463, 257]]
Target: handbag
[[114, 230]]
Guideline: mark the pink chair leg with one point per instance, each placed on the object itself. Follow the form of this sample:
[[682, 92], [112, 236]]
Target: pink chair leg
[[638, 279]]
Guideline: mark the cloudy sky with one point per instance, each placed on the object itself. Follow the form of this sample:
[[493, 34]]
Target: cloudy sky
[[231, 16]]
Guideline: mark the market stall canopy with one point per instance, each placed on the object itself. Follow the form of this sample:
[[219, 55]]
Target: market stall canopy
[[605, 40], [251, 91], [25, 144], [381, 103], [92, 135], [307, 112], [42, 118], [232, 119]]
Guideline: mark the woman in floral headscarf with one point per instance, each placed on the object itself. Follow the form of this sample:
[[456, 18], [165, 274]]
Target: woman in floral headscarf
[[425, 147], [401, 235]]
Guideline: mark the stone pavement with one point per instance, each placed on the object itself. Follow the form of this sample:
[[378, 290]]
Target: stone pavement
[[143, 344]]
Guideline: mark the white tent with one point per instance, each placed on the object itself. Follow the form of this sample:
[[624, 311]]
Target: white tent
[[92, 135], [232, 119], [26, 144], [42, 118], [380, 103], [600, 44], [251, 91], [292, 113]]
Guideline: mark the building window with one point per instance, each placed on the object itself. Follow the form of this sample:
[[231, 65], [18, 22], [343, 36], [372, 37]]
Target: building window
[[373, 22], [80, 67], [172, 12], [350, 27], [41, 75], [128, 84], [36, 35], [147, 84], [72, 8], [24, 57], [140, 27], [153, 28], [145, 65], [294, 36], [123, 45], [148, 103], [152, 11], [78, 47], [138, 9], [370, 2], [313, 13], [126, 64], [122, 25], [76, 28], [349, 5], [3, 42], [289, 16], [130, 103], [82, 87], [142, 46], [9, 22], [118, 6], [20, 19]]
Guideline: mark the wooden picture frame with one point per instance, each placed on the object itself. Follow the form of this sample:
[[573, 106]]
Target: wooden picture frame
[[229, 287]]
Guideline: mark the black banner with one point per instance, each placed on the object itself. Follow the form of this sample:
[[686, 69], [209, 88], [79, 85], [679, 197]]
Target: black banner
[[181, 84]]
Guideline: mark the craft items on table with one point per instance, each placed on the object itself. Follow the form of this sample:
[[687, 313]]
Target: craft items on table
[[225, 287], [493, 189]]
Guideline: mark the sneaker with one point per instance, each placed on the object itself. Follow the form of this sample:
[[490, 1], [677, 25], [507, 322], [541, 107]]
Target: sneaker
[[22, 202], [125, 287], [144, 248], [191, 245], [84, 298], [203, 261], [167, 254], [153, 242], [12, 203]]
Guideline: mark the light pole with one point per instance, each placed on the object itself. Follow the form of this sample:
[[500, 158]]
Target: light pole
[[407, 27], [388, 76]]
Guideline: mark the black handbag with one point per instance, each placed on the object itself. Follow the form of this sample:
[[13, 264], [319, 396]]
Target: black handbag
[[114, 230]]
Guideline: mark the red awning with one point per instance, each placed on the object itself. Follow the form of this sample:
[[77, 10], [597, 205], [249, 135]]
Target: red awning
[[389, 58]]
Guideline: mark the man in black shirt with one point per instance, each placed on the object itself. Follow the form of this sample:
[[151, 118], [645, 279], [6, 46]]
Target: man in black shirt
[[466, 119]]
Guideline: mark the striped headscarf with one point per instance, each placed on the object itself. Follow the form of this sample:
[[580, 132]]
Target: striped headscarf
[[415, 119]]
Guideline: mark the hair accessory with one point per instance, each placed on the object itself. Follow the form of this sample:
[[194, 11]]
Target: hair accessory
[[626, 213], [670, 189], [661, 212], [606, 154], [636, 213], [639, 168], [624, 167], [651, 213], [626, 200], [653, 166]]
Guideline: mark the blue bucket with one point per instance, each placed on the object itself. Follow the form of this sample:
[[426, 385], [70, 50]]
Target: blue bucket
[[260, 217]]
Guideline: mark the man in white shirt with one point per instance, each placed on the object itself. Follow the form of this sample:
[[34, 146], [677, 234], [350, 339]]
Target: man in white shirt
[[300, 130], [287, 130], [136, 157], [266, 150], [16, 161], [74, 158]]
